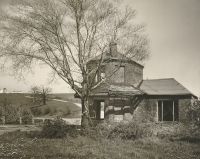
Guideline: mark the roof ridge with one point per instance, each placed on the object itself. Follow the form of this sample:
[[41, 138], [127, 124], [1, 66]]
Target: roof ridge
[[105, 56], [158, 79]]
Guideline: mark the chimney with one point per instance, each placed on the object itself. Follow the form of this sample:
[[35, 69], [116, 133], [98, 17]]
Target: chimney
[[113, 49]]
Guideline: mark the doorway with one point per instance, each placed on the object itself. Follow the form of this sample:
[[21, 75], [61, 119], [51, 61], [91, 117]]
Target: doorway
[[100, 109]]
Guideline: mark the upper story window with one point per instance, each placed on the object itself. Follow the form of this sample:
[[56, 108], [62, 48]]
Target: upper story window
[[101, 75], [120, 74]]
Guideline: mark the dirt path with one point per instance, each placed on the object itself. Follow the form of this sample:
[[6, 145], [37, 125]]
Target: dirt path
[[59, 100], [65, 101]]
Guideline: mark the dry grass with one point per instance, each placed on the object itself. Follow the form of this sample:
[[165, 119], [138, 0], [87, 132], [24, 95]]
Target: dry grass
[[19, 145]]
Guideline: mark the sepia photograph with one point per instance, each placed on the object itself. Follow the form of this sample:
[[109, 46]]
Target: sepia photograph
[[99, 79]]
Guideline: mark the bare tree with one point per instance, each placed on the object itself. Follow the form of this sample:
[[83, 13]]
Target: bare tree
[[45, 94], [66, 34], [40, 94], [35, 92]]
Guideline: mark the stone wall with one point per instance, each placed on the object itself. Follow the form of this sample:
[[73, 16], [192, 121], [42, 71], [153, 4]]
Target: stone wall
[[133, 73], [147, 110], [184, 107], [118, 109]]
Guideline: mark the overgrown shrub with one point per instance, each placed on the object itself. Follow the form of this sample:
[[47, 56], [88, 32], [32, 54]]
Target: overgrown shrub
[[54, 128], [57, 129], [131, 130], [36, 111], [26, 116], [96, 131], [11, 114], [47, 110], [194, 113]]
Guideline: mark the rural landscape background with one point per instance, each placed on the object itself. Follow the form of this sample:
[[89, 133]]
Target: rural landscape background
[[40, 118], [61, 140]]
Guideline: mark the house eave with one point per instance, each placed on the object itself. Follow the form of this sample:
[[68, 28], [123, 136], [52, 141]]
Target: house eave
[[180, 96]]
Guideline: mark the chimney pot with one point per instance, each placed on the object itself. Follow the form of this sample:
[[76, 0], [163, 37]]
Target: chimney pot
[[113, 49]]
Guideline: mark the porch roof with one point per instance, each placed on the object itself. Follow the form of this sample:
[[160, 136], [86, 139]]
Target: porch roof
[[115, 89]]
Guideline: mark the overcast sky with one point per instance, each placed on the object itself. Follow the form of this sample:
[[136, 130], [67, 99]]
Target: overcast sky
[[173, 27]]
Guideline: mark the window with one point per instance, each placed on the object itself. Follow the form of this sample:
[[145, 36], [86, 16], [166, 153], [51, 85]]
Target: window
[[120, 74], [102, 75], [168, 110]]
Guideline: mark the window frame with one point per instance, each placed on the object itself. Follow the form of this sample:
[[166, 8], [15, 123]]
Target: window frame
[[102, 77], [175, 115], [99, 77]]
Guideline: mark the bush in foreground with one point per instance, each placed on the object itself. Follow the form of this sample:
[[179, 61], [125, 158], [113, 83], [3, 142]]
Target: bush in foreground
[[54, 128], [131, 130]]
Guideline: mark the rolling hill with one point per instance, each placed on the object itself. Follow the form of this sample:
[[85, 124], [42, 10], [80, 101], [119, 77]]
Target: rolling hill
[[64, 104]]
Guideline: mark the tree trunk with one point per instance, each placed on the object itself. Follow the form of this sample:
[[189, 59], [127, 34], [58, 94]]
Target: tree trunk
[[44, 99], [85, 114]]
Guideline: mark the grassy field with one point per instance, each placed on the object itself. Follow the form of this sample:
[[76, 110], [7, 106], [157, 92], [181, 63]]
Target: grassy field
[[52, 108], [14, 98], [64, 109], [17, 145]]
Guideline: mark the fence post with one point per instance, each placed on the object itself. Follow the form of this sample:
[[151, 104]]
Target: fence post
[[33, 121], [20, 120], [3, 120]]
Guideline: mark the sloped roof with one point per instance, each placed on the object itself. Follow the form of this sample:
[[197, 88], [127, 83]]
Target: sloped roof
[[114, 89], [167, 86], [119, 57], [107, 55]]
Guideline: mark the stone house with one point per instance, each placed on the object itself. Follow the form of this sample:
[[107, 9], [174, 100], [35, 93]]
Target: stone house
[[124, 94]]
